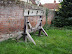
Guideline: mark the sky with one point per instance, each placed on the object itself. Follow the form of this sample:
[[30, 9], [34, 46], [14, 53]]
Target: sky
[[48, 1]]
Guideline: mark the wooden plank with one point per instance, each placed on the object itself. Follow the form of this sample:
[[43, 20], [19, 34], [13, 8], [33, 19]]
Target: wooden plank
[[30, 38], [44, 31], [25, 27], [39, 32], [29, 24], [38, 23], [31, 12], [33, 29]]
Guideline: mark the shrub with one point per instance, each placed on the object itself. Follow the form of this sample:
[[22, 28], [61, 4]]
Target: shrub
[[64, 15], [61, 21]]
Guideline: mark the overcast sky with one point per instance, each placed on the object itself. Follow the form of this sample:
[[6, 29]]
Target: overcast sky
[[48, 1]]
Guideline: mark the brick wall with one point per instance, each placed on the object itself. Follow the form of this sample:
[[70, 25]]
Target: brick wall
[[50, 16], [12, 20]]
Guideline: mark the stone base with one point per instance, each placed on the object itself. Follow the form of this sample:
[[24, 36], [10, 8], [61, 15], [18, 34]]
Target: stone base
[[12, 35]]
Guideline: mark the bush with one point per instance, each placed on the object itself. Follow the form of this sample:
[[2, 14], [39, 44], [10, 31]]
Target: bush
[[68, 27], [64, 15], [61, 21]]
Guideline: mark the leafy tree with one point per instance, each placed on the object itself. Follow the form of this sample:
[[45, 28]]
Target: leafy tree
[[64, 15], [66, 10]]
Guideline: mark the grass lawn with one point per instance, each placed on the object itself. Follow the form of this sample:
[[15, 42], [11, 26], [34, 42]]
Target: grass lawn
[[59, 41]]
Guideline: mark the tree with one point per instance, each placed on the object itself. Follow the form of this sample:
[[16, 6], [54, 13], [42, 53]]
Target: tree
[[64, 14], [66, 10]]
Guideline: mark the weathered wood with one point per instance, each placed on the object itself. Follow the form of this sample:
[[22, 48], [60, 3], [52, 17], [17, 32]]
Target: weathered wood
[[37, 25], [24, 34], [31, 12], [40, 26], [39, 32], [27, 26], [44, 31], [29, 29], [30, 38]]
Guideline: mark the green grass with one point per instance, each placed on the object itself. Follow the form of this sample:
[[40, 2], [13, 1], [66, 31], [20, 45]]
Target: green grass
[[59, 41]]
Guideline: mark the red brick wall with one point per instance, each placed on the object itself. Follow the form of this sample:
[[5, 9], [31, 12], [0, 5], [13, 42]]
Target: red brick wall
[[50, 16], [12, 20]]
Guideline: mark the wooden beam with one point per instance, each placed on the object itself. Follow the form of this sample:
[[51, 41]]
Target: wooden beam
[[40, 24], [30, 38], [27, 30], [25, 27], [44, 31], [31, 12]]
